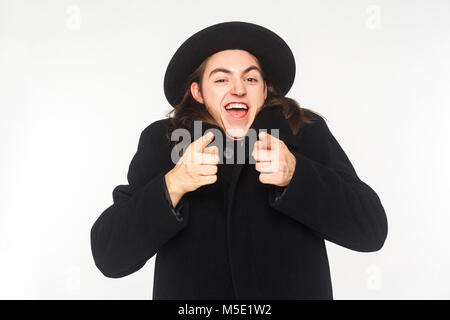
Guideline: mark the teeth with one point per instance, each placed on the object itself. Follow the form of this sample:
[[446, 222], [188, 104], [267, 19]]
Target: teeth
[[236, 106]]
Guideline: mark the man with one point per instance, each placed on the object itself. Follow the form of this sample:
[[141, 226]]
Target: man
[[245, 229]]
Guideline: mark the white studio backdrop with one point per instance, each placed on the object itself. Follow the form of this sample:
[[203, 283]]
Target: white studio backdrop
[[80, 80]]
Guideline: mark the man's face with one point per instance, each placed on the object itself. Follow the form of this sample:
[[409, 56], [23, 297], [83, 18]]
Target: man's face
[[232, 76]]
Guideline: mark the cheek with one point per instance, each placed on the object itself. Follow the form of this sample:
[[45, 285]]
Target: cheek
[[258, 92], [215, 95], [214, 99], [213, 106]]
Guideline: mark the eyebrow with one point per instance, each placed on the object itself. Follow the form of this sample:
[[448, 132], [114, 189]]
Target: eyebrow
[[228, 71]]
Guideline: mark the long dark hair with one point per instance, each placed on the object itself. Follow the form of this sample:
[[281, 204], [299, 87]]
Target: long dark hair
[[189, 109]]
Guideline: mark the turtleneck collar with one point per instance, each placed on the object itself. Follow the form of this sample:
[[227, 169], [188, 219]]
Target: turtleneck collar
[[238, 151]]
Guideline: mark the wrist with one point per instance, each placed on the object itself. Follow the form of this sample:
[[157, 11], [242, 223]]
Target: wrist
[[174, 190]]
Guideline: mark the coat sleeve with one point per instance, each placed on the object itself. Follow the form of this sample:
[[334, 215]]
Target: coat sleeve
[[142, 218], [326, 195]]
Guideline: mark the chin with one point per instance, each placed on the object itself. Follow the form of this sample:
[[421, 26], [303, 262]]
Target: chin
[[237, 132]]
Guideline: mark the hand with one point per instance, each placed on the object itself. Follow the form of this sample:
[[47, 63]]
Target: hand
[[197, 167], [274, 160]]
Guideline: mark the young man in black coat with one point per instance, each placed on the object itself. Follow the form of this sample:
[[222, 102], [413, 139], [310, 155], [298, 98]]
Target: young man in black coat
[[244, 216]]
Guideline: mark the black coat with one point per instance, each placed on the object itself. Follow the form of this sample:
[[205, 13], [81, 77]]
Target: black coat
[[239, 238]]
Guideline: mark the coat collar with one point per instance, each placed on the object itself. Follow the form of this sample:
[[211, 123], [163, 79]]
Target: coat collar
[[270, 118]]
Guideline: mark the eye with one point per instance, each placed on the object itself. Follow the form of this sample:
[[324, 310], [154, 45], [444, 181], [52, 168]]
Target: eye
[[253, 79], [220, 80]]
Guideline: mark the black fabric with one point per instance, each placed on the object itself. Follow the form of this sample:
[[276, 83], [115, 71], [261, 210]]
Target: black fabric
[[240, 238]]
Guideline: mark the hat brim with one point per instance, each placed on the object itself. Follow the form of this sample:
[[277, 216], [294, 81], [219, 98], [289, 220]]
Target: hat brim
[[273, 53]]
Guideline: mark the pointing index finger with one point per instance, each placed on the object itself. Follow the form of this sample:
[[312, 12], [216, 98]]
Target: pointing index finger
[[201, 143], [267, 141]]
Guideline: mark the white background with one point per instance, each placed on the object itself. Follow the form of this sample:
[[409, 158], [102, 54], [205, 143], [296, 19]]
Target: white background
[[80, 80]]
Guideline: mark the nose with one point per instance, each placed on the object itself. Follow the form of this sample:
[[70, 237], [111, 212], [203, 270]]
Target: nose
[[238, 88]]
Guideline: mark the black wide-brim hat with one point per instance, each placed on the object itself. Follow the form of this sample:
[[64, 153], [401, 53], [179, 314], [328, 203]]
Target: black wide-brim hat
[[274, 55]]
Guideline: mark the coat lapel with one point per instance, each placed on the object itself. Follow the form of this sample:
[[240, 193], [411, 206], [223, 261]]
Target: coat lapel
[[271, 118]]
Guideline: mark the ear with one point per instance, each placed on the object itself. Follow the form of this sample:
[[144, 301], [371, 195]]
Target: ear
[[195, 91]]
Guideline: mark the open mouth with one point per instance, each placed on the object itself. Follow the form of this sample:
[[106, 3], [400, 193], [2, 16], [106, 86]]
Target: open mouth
[[237, 110]]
